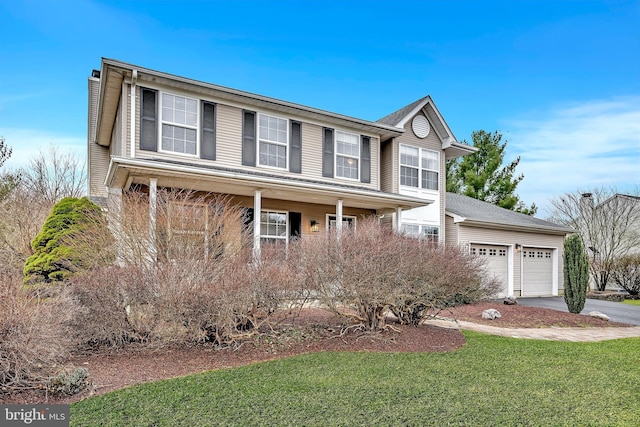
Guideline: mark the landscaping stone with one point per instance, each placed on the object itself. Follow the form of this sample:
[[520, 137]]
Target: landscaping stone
[[491, 313], [511, 300], [599, 315]]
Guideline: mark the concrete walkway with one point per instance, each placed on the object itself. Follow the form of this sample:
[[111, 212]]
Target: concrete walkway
[[552, 334]]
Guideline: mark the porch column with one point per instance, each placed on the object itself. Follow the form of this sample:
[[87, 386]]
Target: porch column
[[398, 226], [257, 207], [153, 203], [114, 203], [339, 217]]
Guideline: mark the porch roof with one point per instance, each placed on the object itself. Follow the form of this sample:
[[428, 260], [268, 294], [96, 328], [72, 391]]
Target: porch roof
[[126, 171]]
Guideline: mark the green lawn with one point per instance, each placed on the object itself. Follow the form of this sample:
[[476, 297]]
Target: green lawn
[[490, 381], [632, 301]]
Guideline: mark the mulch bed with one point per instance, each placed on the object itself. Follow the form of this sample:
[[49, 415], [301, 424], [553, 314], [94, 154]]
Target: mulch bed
[[313, 331]]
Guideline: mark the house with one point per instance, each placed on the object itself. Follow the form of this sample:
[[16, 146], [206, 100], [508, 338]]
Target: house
[[301, 167], [610, 230], [523, 252], [294, 169]]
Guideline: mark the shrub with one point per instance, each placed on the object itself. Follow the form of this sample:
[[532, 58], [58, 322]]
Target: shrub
[[626, 273], [69, 242], [112, 306], [199, 286], [438, 278], [68, 382], [576, 274], [370, 270], [33, 341]]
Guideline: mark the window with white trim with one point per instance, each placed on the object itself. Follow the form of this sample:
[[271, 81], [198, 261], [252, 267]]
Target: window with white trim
[[273, 136], [419, 168], [427, 232], [430, 169], [409, 166], [347, 221], [179, 118], [347, 155], [273, 227], [188, 229]]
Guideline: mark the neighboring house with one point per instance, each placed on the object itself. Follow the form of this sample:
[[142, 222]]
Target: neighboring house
[[295, 169], [612, 230], [523, 252]]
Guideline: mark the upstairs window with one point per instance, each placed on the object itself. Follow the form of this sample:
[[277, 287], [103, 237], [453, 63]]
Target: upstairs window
[[419, 168], [179, 118], [409, 166], [347, 155], [430, 169], [273, 137]]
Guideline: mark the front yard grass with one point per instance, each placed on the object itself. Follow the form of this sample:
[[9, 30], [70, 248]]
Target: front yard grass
[[632, 301], [490, 381]]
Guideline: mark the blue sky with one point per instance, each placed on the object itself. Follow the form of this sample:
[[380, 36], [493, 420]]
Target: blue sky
[[559, 79]]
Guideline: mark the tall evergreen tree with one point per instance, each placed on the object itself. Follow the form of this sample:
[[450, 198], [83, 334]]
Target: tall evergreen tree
[[576, 274], [482, 176]]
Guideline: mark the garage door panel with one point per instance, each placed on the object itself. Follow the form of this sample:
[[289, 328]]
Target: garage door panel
[[497, 262], [537, 271]]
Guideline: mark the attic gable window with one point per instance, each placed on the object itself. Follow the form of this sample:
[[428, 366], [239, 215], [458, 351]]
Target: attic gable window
[[347, 155], [179, 118], [273, 136]]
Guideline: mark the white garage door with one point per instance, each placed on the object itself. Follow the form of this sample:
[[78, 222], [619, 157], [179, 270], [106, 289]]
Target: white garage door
[[537, 272], [496, 261]]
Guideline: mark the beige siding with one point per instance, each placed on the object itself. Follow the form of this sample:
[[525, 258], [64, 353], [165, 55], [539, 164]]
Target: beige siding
[[309, 211], [451, 235], [468, 235], [312, 151], [386, 166], [228, 136], [229, 146], [98, 156], [116, 136], [98, 165]]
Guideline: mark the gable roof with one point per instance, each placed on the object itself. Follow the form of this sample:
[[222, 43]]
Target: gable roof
[[474, 212], [450, 145]]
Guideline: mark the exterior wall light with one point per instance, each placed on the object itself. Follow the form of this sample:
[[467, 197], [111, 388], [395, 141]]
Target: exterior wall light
[[314, 226]]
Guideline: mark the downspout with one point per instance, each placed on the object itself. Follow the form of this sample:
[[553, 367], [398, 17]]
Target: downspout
[[132, 120]]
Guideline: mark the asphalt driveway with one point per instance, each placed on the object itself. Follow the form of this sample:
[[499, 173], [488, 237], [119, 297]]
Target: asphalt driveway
[[617, 311]]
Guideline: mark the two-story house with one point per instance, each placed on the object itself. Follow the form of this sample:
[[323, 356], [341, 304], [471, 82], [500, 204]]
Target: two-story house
[[300, 167], [294, 169]]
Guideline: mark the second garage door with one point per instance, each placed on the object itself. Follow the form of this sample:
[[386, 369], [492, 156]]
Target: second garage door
[[537, 272], [496, 261]]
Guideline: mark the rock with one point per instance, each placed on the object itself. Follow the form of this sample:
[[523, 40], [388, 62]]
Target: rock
[[491, 313], [511, 300], [599, 315]]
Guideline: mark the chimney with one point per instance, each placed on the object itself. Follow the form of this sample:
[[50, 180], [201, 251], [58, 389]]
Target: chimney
[[586, 201]]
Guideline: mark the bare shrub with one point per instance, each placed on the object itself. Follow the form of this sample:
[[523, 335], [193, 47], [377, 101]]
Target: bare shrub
[[33, 342], [194, 283], [108, 307], [436, 278], [626, 273], [367, 271]]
